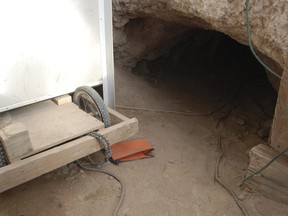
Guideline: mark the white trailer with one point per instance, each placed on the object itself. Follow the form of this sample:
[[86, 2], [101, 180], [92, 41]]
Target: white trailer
[[49, 48]]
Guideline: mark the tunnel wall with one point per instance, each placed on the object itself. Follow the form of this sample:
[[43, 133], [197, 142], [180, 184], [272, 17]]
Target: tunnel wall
[[146, 29], [164, 20]]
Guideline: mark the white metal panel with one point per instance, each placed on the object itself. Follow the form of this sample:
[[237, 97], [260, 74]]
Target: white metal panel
[[49, 48], [106, 41]]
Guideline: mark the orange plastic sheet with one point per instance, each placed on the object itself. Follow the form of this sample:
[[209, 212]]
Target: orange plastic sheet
[[131, 150]]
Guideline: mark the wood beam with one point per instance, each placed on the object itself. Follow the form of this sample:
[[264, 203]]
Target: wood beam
[[279, 131]]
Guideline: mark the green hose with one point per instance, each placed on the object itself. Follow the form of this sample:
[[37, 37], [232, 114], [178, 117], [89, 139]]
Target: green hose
[[250, 43]]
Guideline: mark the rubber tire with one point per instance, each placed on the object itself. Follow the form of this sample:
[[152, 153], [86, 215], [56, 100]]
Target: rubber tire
[[2, 157], [97, 100]]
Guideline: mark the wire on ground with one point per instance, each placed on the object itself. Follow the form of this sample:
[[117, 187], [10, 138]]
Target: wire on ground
[[122, 196], [178, 112], [222, 183], [216, 172]]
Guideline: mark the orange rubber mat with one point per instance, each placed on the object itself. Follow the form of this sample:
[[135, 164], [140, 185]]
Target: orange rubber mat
[[131, 150]]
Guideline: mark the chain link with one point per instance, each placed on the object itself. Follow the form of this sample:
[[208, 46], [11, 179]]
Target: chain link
[[106, 146], [2, 156]]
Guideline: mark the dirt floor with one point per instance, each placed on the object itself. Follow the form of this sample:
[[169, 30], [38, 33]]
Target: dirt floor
[[179, 180]]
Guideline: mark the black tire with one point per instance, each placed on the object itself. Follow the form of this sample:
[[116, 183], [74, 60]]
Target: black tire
[[2, 156], [91, 102]]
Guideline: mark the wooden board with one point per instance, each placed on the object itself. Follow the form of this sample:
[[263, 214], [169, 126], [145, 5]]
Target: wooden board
[[62, 99], [279, 132], [34, 166], [116, 117], [16, 141], [49, 125], [273, 181]]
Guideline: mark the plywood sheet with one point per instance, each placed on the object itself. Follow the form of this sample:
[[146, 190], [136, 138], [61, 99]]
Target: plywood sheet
[[49, 125]]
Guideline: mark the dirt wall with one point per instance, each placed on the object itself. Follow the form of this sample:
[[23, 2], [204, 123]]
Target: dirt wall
[[148, 28]]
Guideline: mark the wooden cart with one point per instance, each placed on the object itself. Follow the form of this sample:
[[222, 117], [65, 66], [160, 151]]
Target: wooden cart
[[45, 136]]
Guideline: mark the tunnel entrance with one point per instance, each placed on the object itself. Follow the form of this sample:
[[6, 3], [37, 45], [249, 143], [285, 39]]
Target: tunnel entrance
[[195, 92], [214, 74]]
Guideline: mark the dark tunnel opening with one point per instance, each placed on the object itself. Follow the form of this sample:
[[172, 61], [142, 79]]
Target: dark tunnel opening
[[208, 70]]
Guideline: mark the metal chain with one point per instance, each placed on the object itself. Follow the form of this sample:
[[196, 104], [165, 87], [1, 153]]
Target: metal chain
[[2, 156], [107, 154], [106, 146]]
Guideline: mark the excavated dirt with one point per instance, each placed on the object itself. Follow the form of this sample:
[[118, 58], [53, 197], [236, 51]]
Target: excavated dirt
[[179, 180]]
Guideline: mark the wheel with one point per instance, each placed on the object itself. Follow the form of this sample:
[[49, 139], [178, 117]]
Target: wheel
[[90, 101], [2, 156]]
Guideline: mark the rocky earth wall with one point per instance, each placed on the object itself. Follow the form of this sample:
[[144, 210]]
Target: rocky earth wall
[[148, 28]]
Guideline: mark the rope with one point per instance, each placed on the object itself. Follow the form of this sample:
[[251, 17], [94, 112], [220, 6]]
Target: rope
[[250, 43]]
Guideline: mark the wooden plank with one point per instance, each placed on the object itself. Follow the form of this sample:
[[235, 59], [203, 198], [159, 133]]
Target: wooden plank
[[273, 181], [5, 119], [62, 99], [279, 131], [34, 166], [116, 117], [121, 131], [50, 125], [16, 141]]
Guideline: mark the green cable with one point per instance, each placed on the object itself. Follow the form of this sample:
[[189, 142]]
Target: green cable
[[250, 44], [272, 72], [267, 165]]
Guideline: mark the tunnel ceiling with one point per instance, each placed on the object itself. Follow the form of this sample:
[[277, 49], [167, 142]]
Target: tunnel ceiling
[[148, 29]]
